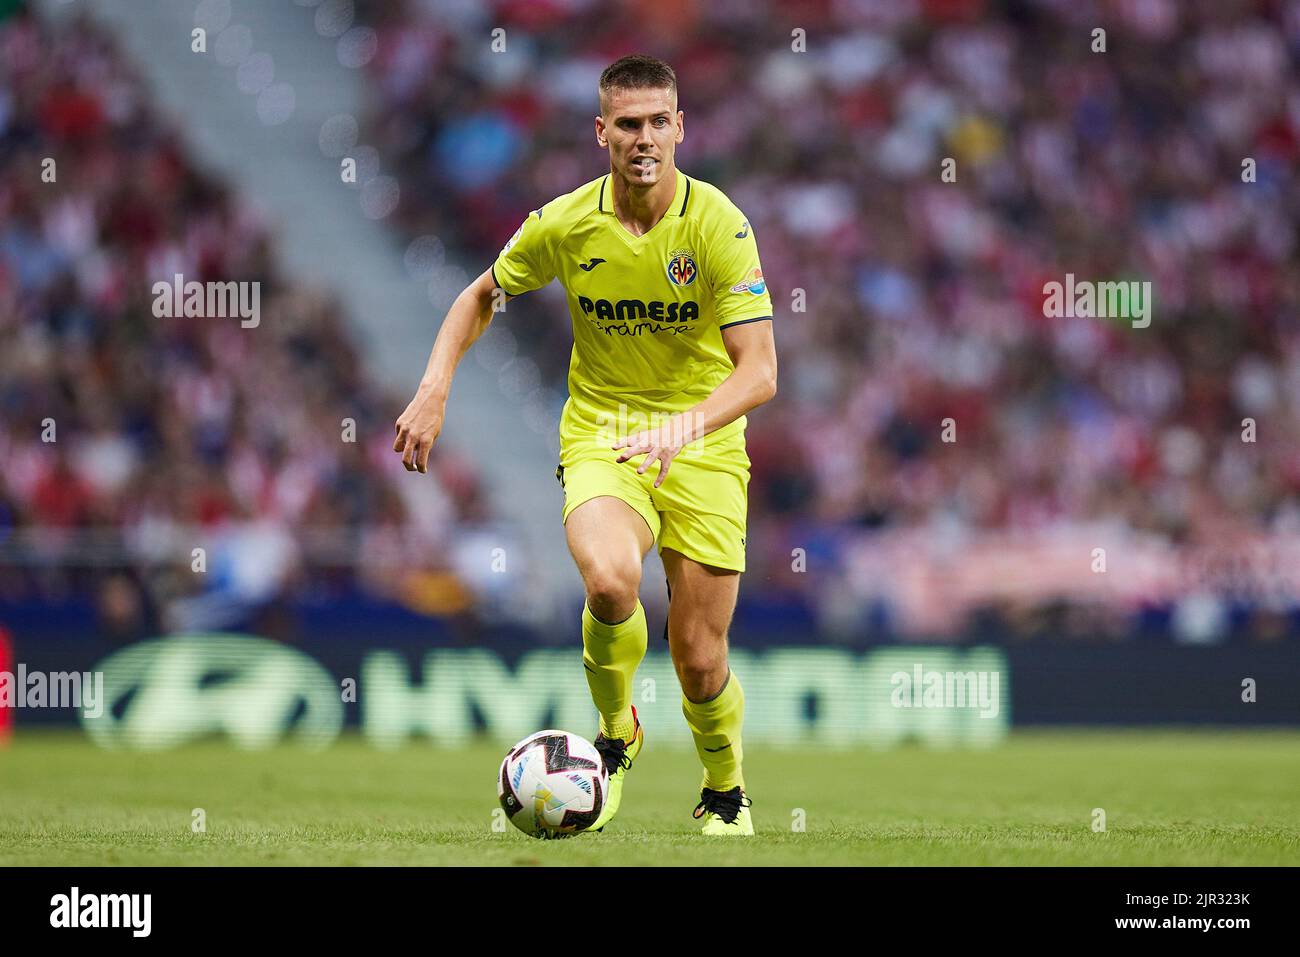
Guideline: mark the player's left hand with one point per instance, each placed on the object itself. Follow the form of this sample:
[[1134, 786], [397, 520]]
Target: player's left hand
[[654, 444]]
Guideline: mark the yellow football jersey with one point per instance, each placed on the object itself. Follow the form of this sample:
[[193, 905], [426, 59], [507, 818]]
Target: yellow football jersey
[[647, 310]]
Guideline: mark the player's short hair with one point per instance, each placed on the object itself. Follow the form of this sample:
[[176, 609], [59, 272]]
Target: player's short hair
[[636, 72]]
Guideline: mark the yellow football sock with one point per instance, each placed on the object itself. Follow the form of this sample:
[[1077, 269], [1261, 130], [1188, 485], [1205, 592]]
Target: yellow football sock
[[610, 655], [715, 725]]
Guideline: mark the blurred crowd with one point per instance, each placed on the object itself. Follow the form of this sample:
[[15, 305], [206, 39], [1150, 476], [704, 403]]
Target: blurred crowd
[[1098, 479], [128, 441], [942, 459]]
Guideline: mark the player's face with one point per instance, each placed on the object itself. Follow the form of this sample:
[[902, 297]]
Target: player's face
[[641, 129]]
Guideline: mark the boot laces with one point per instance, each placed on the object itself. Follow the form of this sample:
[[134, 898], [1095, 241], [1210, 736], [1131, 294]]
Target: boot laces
[[725, 804]]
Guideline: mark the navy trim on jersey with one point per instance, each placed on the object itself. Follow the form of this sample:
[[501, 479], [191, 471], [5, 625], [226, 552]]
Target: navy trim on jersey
[[687, 198], [741, 322], [498, 285], [601, 205]]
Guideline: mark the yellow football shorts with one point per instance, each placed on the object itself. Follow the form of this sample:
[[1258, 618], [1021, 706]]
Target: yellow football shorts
[[698, 511]]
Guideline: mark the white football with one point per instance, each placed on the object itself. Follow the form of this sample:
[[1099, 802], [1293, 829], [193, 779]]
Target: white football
[[552, 784]]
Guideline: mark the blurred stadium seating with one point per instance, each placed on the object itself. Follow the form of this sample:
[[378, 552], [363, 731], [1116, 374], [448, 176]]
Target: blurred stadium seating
[[184, 433], [924, 299], [923, 302]]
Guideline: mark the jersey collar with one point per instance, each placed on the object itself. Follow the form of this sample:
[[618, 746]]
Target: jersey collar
[[681, 199]]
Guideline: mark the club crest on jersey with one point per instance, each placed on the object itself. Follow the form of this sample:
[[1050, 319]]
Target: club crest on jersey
[[753, 283], [681, 267]]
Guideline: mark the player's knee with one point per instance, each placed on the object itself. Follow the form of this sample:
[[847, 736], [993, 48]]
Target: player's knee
[[612, 591]]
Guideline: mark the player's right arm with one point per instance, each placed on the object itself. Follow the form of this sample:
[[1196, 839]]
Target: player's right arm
[[418, 427], [525, 263]]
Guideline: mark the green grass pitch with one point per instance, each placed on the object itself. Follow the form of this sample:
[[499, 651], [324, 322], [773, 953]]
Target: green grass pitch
[[1170, 798]]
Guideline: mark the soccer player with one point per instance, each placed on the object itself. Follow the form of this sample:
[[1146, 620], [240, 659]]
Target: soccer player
[[672, 346]]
